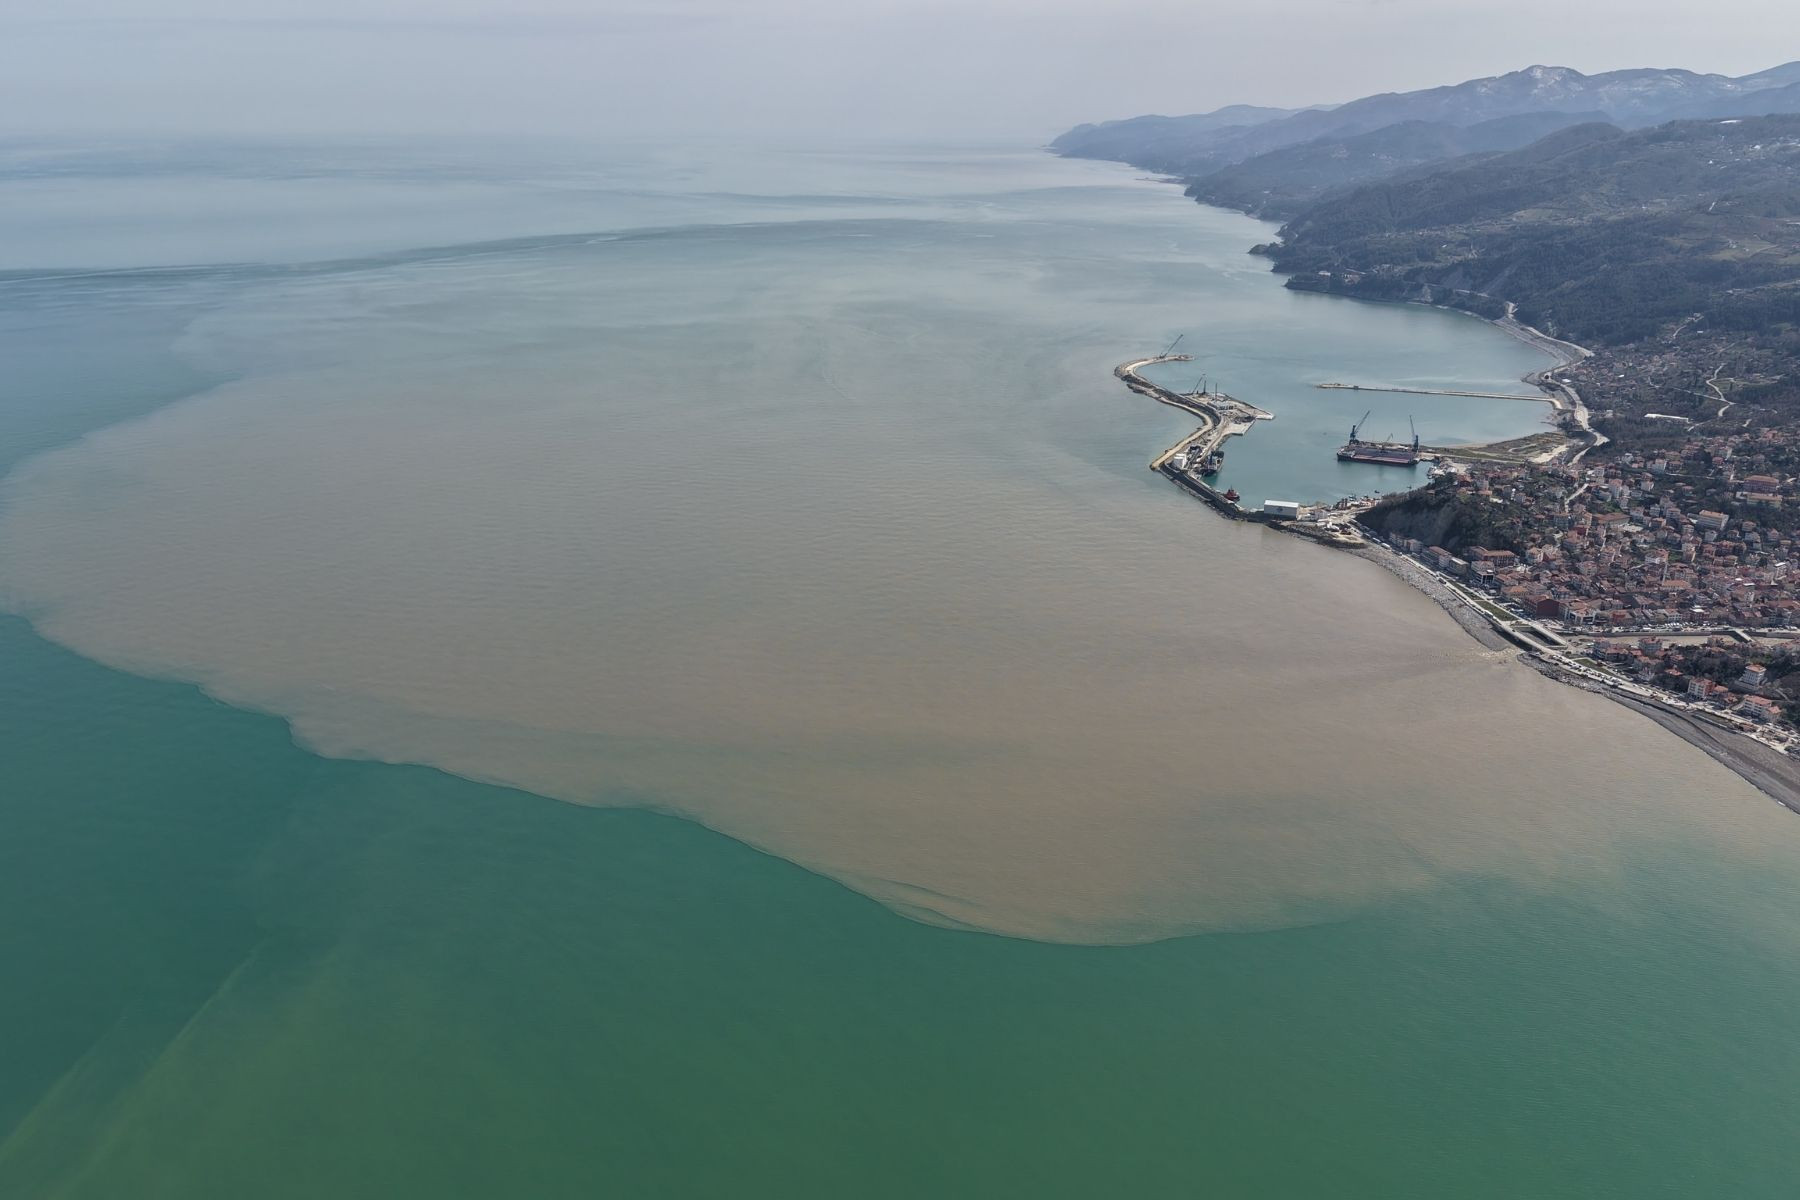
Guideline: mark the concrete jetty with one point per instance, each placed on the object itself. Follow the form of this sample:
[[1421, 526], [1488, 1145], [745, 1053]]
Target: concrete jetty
[[1409, 391], [1221, 416]]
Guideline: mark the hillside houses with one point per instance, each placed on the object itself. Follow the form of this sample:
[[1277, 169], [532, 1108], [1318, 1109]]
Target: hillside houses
[[1704, 538]]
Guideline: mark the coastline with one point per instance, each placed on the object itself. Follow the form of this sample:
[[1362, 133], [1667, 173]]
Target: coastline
[[1475, 625], [1763, 767], [1770, 771]]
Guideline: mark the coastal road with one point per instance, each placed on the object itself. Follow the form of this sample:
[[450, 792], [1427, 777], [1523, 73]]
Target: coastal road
[[1566, 661], [1566, 353]]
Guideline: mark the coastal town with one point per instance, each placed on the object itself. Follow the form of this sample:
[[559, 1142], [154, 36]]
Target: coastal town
[[1665, 576], [1673, 570]]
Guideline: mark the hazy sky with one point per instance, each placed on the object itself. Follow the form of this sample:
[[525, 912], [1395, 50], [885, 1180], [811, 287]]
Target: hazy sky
[[1014, 69]]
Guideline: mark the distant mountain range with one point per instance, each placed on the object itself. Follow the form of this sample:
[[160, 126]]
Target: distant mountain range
[[1282, 182], [1274, 161]]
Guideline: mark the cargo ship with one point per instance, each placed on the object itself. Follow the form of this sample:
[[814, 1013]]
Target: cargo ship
[[1382, 454]]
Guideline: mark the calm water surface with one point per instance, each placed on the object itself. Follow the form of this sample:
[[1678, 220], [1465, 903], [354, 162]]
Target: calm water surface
[[790, 497]]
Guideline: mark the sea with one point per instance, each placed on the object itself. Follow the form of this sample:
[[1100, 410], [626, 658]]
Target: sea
[[550, 669]]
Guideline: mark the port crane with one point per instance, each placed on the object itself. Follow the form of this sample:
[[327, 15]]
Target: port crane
[[1388, 454], [1356, 429]]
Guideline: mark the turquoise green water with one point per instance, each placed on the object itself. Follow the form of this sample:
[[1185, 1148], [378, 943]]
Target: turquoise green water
[[1525, 948], [243, 970]]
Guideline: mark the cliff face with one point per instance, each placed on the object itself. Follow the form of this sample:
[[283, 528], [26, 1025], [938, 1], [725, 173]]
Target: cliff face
[[1414, 515], [1445, 519]]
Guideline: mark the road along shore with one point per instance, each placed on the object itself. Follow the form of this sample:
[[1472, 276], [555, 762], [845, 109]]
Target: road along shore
[[1769, 770], [1474, 623], [1567, 400], [1773, 773]]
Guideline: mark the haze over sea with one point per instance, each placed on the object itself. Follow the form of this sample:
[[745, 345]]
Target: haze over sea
[[779, 511]]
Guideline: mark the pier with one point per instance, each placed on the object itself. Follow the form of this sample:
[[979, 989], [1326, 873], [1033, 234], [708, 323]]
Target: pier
[[1222, 416], [1225, 417], [1407, 391]]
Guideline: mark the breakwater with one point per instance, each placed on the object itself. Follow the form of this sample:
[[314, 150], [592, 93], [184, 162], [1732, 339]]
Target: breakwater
[[1212, 497], [1222, 417], [1413, 391]]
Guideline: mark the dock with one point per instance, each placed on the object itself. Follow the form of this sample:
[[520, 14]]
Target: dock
[[1222, 417], [1407, 391]]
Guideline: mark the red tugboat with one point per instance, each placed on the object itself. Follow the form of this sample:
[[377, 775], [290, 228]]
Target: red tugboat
[[1231, 494]]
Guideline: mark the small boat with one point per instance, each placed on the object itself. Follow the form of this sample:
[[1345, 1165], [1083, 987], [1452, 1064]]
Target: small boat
[[1231, 494]]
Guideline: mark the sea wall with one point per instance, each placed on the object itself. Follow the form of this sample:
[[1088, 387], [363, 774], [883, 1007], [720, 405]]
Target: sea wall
[[1216, 500]]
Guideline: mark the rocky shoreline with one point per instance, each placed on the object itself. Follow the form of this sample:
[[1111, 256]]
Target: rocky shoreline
[[1410, 572], [1773, 773]]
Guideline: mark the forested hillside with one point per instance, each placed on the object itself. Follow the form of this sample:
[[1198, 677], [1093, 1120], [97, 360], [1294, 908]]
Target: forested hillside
[[1595, 233], [1283, 182]]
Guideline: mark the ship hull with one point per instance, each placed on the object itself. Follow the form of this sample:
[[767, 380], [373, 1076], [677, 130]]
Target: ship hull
[[1380, 458]]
